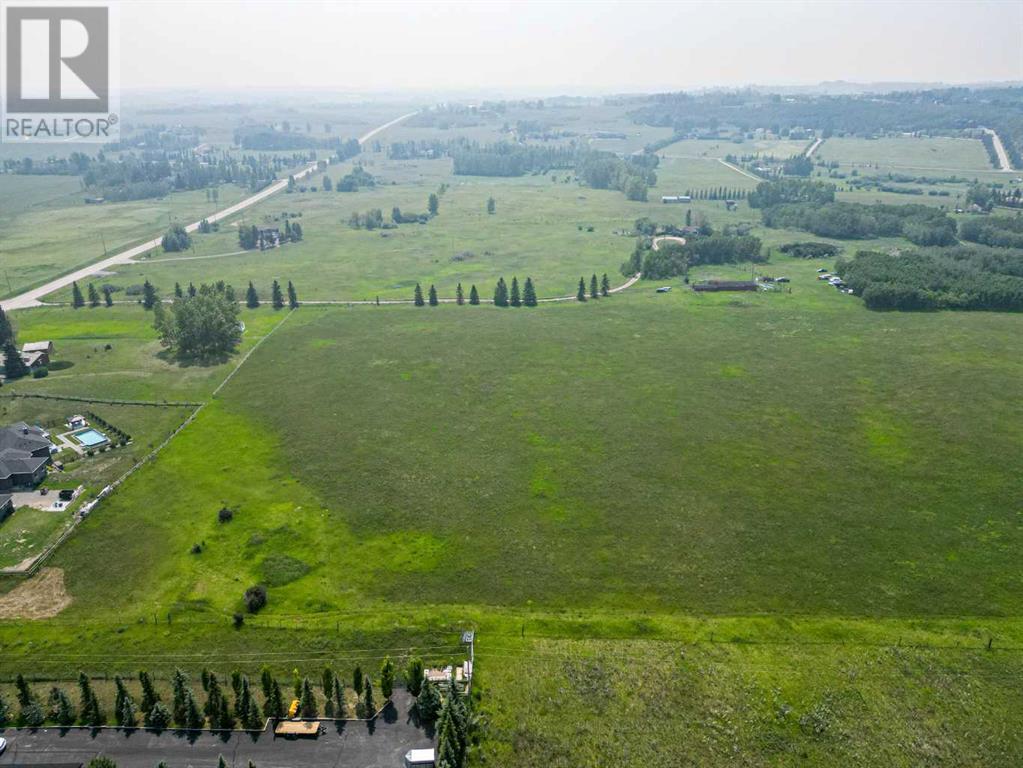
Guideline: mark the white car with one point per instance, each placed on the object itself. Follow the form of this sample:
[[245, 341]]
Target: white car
[[3, 745]]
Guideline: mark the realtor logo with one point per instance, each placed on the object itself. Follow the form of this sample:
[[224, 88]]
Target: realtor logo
[[59, 73]]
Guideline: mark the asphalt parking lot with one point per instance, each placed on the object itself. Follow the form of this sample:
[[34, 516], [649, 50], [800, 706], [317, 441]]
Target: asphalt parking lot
[[380, 743]]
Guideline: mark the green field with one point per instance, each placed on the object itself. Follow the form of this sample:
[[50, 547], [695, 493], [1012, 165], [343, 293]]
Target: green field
[[909, 155], [759, 529]]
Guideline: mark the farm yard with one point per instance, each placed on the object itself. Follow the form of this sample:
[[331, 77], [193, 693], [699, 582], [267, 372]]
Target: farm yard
[[769, 528]]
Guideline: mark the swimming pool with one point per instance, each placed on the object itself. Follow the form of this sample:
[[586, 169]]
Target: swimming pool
[[90, 437]]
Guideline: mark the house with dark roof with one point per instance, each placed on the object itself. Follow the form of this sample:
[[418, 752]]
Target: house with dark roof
[[24, 455], [6, 506]]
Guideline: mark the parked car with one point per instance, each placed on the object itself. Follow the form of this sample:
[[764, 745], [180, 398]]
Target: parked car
[[664, 289], [781, 280], [824, 276], [822, 270], [3, 745]]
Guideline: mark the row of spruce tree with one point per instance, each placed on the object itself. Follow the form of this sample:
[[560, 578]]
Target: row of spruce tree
[[512, 297], [217, 712], [151, 296]]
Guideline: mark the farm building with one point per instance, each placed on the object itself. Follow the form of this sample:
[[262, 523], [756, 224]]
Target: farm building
[[6, 506], [725, 285], [24, 455], [269, 237], [676, 199]]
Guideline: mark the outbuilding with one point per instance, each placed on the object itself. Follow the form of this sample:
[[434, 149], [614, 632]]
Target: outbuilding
[[420, 758]]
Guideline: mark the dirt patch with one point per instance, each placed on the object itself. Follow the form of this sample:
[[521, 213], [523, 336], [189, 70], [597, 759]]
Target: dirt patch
[[41, 597]]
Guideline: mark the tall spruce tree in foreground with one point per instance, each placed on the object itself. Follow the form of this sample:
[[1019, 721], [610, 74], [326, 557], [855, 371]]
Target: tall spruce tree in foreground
[[433, 296], [108, 295], [474, 296], [77, 299], [529, 293], [178, 293], [251, 297], [149, 295], [307, 700], [594, 292], [501, 293], [605, 286], [580, 295], [369, 703], [516, 299], [417, 296], [292, 296], [387, 677], [276, 296], [14, 366], [93, 296], [6, 329], [459, 295]]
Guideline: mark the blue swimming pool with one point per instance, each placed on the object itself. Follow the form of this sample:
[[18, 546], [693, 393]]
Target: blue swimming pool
[[90, 437]]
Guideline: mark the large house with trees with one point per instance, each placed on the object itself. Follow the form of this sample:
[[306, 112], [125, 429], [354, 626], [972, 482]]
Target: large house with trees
[[24, 455]]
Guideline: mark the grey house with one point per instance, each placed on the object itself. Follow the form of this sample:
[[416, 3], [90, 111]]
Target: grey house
[[24, 455], [6, 506]]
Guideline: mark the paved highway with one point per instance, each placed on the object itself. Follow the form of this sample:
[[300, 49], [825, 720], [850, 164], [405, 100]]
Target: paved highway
[[32, 297]]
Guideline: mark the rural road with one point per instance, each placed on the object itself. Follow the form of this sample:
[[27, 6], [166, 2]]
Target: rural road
[[1003, 156], [813, 147], [658, 240], [31, 298], [737, 169]]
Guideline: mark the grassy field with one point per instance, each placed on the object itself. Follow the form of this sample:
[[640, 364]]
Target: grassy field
[[54, 236], [745, 529], [939, 156]]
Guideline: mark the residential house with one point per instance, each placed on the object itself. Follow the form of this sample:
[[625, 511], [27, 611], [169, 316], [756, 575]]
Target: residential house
[[24, 455]]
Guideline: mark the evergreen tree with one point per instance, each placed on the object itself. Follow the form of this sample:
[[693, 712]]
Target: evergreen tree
[[6, 329], [119, 699], [277, 296], [387, 678], [433, 204], [191, 289], [327, 682], [108, 295], [433, 296], [529, 293], [396, 215], [149, 694], [414, 675], [159, 717], [501, 293], [23, 692], [193, 715], [341, 708], [179, 686], [428, 702], [357, 679], [93, 296], [274, 703], [605, 286], [459, 295], [76, 296], [292, 296], [491, 205], [149, 295], [594, 291], [368, 702], [62, 711], [127, 715], [266, 682], [251, 297], [14, 366], [417, 296], [307, 701], [5, 712], [474, 296], [516, 299], [580, 295]]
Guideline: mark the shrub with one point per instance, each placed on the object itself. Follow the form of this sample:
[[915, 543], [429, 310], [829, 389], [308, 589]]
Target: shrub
[[255, 598], [225, 515], [238, 620], [41, 373]]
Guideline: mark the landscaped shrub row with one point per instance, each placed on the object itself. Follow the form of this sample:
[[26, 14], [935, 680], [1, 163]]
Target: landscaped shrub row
[[123, 438]]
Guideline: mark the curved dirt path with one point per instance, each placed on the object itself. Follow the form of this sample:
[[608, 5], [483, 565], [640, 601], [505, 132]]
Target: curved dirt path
[[658, 240], [32, 297]]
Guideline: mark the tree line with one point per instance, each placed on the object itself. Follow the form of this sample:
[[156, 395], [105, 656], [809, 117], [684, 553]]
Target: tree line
[[948, 278], [234, 702]]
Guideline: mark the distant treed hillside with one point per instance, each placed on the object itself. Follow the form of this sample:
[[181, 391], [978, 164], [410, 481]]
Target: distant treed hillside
[[940, 112]]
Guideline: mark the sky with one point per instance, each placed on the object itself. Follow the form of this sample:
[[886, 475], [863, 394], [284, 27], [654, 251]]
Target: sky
[[562, 47]]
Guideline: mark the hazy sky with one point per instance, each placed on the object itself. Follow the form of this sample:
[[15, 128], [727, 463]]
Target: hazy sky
[[560, 46]]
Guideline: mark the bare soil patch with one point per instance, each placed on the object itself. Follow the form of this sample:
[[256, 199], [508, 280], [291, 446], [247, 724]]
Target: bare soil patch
[[41, 597]]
